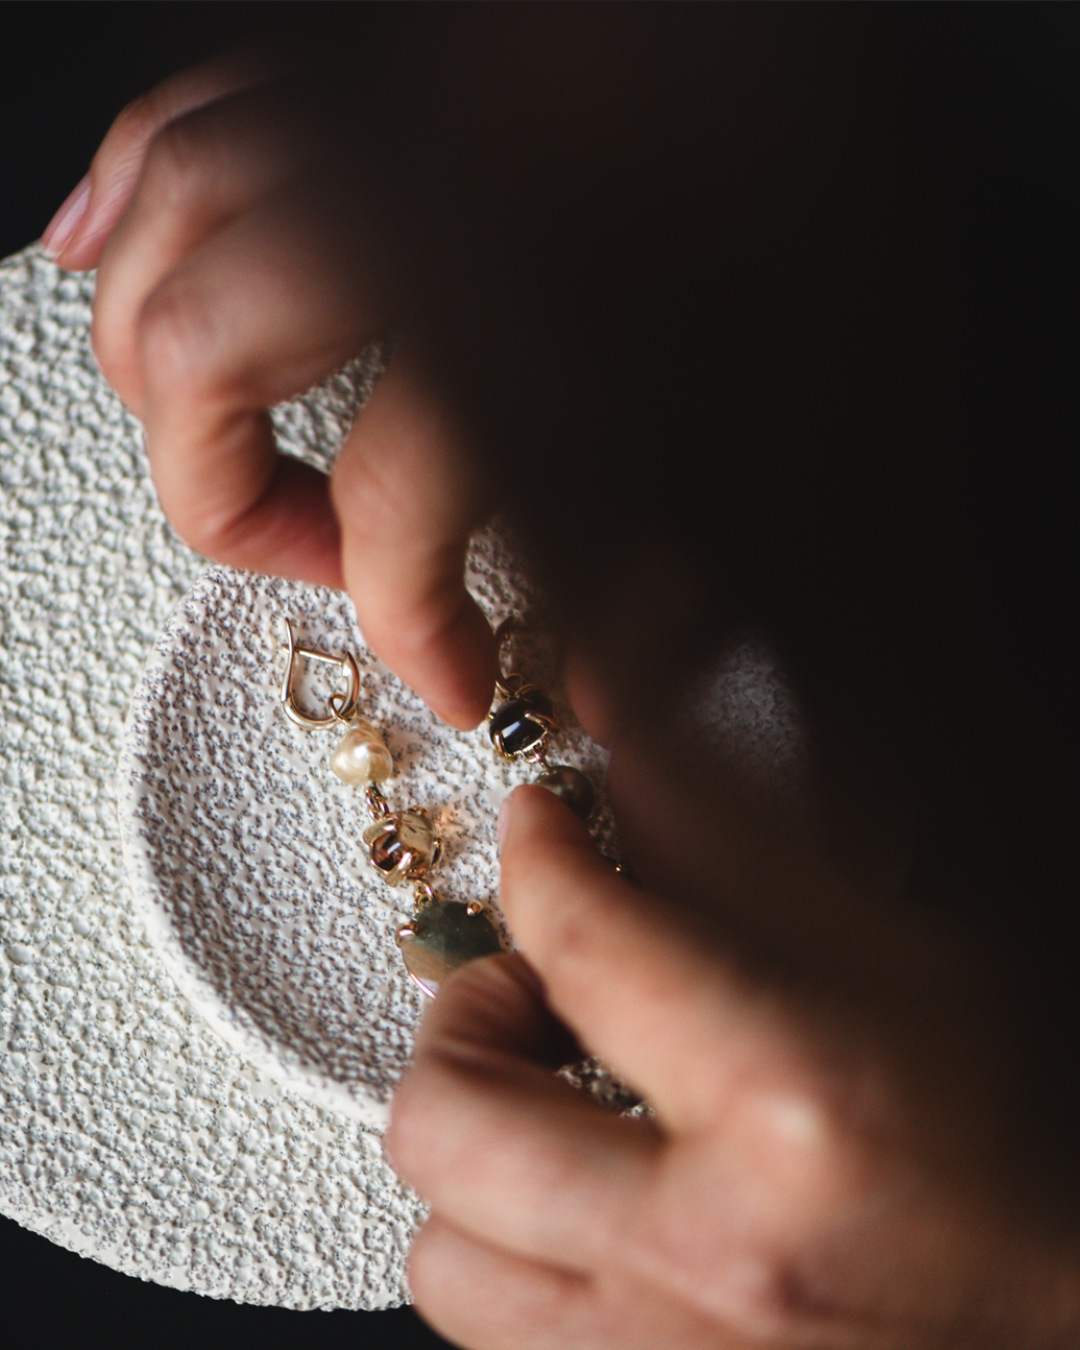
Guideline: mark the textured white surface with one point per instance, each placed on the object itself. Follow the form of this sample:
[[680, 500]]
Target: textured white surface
[[129, 1130], [245, 847]]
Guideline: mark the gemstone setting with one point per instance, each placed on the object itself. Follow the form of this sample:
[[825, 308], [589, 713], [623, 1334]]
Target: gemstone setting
[[402, 846], [521, 724]]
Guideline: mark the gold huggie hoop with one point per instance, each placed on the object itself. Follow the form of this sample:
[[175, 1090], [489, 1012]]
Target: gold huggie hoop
[[342, 706]]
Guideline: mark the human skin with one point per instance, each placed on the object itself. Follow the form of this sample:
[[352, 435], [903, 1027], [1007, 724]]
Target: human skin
[[841, 1153], [181, 210]]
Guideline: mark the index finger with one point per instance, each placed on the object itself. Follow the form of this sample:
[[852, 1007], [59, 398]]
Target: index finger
[[83, 224], [408, 493]]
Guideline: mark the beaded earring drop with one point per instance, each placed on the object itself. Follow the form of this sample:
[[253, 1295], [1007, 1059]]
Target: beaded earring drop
[[401, 845], [521, 727], [522, 724]]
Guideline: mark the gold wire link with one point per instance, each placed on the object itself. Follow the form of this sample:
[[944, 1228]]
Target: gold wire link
[[377, 804], [507, 685], [537, 755], [342, 706], [423, 894]]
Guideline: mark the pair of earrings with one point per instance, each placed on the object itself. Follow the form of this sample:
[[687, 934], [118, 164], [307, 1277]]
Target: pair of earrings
[[401, 844]]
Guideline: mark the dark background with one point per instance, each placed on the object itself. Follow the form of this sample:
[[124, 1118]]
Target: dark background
[[986, 108], [68, 69]]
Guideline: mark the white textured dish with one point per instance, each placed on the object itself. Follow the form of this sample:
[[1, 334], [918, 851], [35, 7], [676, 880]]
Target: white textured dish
[[130, 1131], [244, 848]]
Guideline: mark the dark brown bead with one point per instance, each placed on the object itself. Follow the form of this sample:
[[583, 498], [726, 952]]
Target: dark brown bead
[[387, 855], [402, 845], [518, 731]]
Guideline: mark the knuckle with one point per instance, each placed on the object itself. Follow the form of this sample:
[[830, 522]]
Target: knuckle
[[759, 1296], [132, 127], [796, 1135], [750, 1285], [794, 1178], [179, 337], [177, 162], [800, 1129]]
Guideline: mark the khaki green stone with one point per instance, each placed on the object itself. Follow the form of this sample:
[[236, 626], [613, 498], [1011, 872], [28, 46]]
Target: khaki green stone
[[442, 936], [570, 786]]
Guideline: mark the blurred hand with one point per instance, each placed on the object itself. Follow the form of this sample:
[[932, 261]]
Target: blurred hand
[[829, 1161], [846, 1150], [231, 277]]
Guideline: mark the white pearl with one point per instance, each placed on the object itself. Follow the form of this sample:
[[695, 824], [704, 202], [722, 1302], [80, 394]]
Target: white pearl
[[361, 756]]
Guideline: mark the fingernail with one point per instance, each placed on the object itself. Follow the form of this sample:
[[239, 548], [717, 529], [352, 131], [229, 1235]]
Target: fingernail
[[504, 819], [66, 221]]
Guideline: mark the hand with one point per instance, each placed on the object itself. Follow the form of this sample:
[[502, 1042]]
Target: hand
[[829, 1161], [229, 279]]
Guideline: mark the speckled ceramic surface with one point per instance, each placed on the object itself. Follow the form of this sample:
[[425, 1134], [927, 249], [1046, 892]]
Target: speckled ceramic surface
[[129, 1130], [245, 849], [132, 1128]]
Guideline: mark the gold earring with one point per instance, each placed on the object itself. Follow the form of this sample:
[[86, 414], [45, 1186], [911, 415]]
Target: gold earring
[[523, 723], [401, 845]]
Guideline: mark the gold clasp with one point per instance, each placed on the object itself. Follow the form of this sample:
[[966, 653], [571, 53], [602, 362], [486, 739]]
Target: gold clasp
[[342, 706]]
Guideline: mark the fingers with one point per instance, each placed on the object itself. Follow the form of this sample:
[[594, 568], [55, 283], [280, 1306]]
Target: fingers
[[525, 1306], [200, 174], [714, 1218], [215, 299], [501, 1147], [252, 316], [623, 968], [233, 283], [78, 232], [408, 495], [478, 1295]]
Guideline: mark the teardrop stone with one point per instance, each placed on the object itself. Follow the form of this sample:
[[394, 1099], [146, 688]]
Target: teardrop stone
[[442, 936], [519, 733]]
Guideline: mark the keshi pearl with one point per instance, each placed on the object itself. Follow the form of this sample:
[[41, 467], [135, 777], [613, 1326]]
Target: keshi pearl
[[570, 786], [361, 756]]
